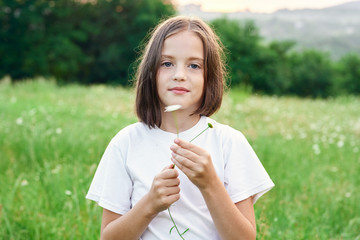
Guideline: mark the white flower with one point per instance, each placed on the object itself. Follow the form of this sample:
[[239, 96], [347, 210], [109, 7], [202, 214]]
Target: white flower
[[56, 170], [24, 183], [68, 192], [19, 121], [340, 144], [172, 108], [58, 130], [316, 149]]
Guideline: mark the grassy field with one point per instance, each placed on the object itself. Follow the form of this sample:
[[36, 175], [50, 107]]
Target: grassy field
[[51, 139]]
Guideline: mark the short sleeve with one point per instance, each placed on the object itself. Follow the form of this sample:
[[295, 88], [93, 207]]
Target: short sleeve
[[111, 186], [245, 176]]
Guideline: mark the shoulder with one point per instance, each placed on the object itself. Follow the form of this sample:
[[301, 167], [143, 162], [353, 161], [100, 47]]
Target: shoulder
[[132, 131]]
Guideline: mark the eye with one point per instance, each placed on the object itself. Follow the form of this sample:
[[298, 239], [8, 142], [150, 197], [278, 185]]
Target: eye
[[194, 66], [166, 64]]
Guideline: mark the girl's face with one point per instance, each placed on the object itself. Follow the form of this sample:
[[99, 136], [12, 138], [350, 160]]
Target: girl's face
[[180, 77]]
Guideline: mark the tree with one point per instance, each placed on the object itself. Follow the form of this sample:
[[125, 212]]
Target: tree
[[348, 74], [120, 25], [311, 74], [264, 68], [72, 40], [241, 42]]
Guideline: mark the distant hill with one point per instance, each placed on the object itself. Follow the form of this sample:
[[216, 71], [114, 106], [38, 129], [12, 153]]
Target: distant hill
[[334, 29]]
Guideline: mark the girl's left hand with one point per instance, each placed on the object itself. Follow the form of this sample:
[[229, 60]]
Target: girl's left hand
[[194, 162]]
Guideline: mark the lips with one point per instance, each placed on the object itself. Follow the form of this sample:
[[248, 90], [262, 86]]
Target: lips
[[179, 90]]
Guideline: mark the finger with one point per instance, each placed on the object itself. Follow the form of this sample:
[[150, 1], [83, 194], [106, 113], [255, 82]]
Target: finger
[[172, 182], [176, 149], [188, 163], [189, 146], [183, 164], [171, 191], [173, 198], [169, 172], [171, 166]]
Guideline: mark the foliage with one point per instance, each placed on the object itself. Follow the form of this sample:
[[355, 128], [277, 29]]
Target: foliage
[[98, 42], [311, 74], [51, 141], [275, 68], [348, 74], [85, 41], [241, 42]]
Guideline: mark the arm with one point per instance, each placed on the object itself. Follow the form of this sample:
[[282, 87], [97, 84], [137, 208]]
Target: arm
[[164, 192], [233, 221]]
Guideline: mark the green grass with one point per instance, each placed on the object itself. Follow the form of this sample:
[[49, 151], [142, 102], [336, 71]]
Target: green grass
[[51, 140]]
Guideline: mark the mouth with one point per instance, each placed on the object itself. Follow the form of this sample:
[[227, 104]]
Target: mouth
[[179, 90]]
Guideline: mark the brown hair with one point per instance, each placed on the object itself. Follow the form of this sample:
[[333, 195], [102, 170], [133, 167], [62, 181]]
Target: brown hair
[[147, 98]]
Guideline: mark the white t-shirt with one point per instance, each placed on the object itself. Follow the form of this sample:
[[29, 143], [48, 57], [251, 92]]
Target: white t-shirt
[[137, 153]]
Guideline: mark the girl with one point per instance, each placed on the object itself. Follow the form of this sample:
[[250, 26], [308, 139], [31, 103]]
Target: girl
[[217, 177]]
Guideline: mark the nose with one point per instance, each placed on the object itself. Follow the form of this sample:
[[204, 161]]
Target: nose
[[179, 74]]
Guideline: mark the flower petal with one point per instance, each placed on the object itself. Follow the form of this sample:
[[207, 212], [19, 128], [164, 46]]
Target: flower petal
[[172, 108]]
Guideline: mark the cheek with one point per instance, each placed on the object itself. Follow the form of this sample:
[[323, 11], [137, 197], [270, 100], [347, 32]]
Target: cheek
[[159, 83], [200, 84]]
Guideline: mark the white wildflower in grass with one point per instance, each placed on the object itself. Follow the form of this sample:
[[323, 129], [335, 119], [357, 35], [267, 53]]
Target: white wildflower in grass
[[58, 130], [24, 183], [303, 135], [316, 149], [348, 194], [19, 121], [68, 192], [56, 170], [288, 137], [340, 144]]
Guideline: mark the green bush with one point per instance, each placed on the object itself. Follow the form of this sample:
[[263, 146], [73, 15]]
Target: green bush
[[98, 41], [250, 63], [91, 42], [348, 75], [312, 74]]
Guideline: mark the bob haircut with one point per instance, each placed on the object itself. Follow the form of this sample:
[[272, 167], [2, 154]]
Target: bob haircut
[[147, 98]]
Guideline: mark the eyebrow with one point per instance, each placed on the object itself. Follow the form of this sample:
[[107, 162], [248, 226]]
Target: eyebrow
[[190, 58]]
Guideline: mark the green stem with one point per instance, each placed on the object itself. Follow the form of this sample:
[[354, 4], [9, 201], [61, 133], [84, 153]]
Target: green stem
[[209, 126], [176, 123], [175, 224], [199, 134], [177, 127]]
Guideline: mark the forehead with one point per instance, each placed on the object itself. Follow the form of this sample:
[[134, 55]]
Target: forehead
[[184, 44]]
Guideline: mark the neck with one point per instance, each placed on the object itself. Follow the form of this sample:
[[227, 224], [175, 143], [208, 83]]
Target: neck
[[183, 120]]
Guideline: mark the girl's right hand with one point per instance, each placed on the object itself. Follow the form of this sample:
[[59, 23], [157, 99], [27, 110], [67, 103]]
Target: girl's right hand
[[165, 190]]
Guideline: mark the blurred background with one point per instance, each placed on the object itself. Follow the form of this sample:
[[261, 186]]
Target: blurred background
[[66, 88], [312, 51]]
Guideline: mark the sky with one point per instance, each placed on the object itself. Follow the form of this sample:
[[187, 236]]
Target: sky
[[264, 6]]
